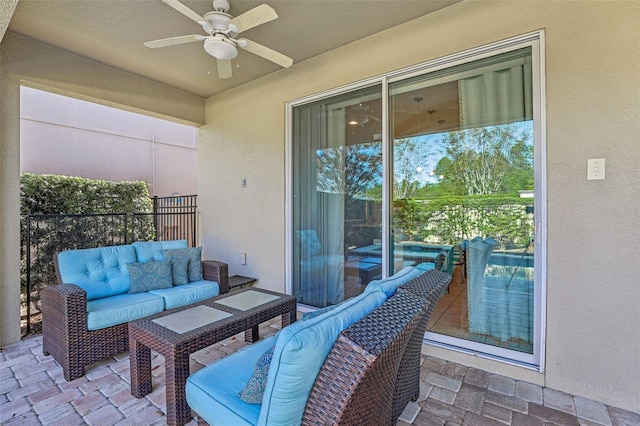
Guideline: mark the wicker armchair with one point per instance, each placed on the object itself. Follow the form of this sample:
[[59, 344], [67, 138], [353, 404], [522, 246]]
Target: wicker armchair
[[429, 286], [64, 324], [357, 384]]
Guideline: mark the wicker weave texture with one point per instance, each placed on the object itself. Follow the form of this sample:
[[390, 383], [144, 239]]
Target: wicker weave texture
[[145, 335], [64, 323], [429, 286], [357, 381]]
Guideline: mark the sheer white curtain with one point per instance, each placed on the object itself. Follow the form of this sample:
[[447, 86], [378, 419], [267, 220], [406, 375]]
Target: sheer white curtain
[[496, 97], [318, 221]]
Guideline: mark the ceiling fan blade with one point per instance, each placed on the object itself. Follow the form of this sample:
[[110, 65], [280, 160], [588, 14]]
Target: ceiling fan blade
[[185, 11], [172, 41], [252, 18], [265, 52], [224, 68]]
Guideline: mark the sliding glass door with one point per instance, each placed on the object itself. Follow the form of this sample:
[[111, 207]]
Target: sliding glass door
[[452, 153], [337, 167], [464, 188]]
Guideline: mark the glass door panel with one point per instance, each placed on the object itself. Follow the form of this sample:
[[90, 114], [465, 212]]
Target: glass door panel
[[463, 175], [336, 183]]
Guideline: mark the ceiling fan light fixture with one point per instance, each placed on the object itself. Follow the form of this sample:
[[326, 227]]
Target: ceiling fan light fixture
[[220, 48]]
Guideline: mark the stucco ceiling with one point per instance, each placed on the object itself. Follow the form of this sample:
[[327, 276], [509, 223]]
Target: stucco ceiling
[[112, 32]]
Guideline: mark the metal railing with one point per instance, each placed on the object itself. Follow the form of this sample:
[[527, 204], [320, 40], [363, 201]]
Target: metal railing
[[43, 235]]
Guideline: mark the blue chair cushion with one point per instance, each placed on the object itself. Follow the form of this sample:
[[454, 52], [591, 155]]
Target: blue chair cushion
[[389, 285], [151, 275], [186, 294], [193, 257], [122, 308], [152, 250], [101, 271], [300, 351], [426, 266], [212, 392]]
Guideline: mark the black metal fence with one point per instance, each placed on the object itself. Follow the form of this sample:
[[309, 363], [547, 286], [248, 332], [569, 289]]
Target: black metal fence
[[173, 218]]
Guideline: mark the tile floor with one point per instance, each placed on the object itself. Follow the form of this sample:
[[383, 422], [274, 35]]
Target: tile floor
[[33, 392]]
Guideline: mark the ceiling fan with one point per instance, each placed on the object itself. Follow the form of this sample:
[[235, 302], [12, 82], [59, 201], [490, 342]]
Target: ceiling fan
[[222, 30]]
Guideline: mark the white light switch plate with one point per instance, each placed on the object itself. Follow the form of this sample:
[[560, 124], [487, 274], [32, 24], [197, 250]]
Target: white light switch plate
[[595, 169]]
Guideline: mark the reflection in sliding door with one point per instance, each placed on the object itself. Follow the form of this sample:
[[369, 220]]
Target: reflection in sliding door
[[337, 166], [461, 187], [463, 194]]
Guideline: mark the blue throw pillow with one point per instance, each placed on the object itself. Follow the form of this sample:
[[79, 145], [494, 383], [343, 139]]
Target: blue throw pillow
[[179, 270], [254, 389], [147, 276], [194, 258]]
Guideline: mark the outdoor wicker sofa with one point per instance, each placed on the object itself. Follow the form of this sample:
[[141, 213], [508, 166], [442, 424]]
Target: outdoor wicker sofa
[[354, 363], [74, 330]]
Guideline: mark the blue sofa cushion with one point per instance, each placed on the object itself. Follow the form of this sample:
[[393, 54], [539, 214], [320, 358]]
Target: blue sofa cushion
[[101, 271], [152, 250], [186, 294], [254, 390], [220, 405], [151, 275], [300, 351], [122, 308], [389, 285], [193, 257]]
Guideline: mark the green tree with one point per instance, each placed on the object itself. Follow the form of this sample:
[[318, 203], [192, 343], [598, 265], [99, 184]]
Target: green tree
[[488, 160], [350, 170], [409, 156]]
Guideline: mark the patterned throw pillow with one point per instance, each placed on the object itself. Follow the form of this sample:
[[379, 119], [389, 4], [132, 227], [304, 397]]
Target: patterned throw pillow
[[147, 276], [180, 271], [194, 258], [254, 389], [309, 315]]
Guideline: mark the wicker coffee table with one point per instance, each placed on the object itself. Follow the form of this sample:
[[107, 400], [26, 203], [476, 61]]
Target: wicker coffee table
[[177, 333]]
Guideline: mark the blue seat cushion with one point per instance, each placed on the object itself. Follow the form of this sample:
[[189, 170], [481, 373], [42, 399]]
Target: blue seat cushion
[[180, 295], [389, 285], [212, 392], [300, 351], [152, 250], [100, 271], [114, 310]]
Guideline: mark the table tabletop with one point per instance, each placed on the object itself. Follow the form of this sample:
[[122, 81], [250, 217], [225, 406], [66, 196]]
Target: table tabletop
[[177, 333]]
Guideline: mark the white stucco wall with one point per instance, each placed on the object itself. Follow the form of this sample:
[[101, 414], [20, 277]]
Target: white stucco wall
[[592, 111], [72, 137]]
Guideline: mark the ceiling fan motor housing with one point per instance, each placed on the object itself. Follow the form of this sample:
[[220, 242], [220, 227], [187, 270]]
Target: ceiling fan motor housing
[[221, 5], [220, 47]]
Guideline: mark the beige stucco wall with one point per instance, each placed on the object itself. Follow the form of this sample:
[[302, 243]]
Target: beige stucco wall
[[593, 110], [23, 61]]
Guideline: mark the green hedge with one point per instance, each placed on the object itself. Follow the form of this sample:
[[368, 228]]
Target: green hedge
[[449, 220], [54, 194], [55, 203]]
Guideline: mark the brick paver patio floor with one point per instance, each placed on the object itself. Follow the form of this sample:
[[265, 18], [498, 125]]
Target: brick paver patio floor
[[33, 392]]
